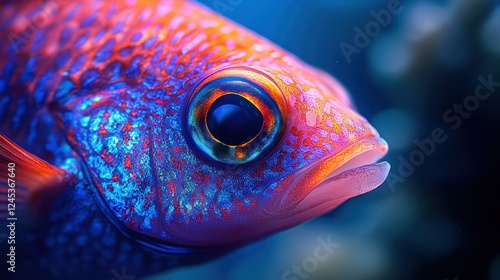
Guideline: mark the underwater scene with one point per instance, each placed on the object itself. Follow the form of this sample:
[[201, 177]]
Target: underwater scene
[[238, 139]]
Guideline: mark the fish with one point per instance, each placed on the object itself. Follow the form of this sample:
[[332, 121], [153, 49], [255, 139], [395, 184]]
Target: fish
[[142, 136]]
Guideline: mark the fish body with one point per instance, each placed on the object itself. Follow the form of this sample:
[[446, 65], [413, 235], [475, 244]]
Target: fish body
[[168, 135]]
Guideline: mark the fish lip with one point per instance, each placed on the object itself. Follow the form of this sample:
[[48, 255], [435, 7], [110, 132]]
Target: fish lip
[[358, 158]]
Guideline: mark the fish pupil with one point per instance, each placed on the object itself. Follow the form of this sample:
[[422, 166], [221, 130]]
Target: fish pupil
[[233, 120]]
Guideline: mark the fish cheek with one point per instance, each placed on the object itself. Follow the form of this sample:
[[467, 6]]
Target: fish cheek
[[114, 143]]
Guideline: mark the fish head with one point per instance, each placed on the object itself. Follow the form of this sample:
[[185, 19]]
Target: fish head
[[216, 136], [285, 143]]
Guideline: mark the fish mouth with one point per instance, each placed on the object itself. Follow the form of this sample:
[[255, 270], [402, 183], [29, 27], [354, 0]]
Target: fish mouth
[[328, 183]]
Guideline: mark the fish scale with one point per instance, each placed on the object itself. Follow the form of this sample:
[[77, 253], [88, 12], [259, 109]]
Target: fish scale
[[102, 89]]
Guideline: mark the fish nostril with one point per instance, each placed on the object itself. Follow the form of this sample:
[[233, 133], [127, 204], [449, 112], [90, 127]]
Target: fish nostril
[[234, 120], [311, 118]]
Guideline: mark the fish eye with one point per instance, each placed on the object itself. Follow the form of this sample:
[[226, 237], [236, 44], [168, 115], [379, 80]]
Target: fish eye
[[235, 116], [233, 120]]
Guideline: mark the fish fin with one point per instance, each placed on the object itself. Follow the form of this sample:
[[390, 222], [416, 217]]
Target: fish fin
[[28, 184]]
